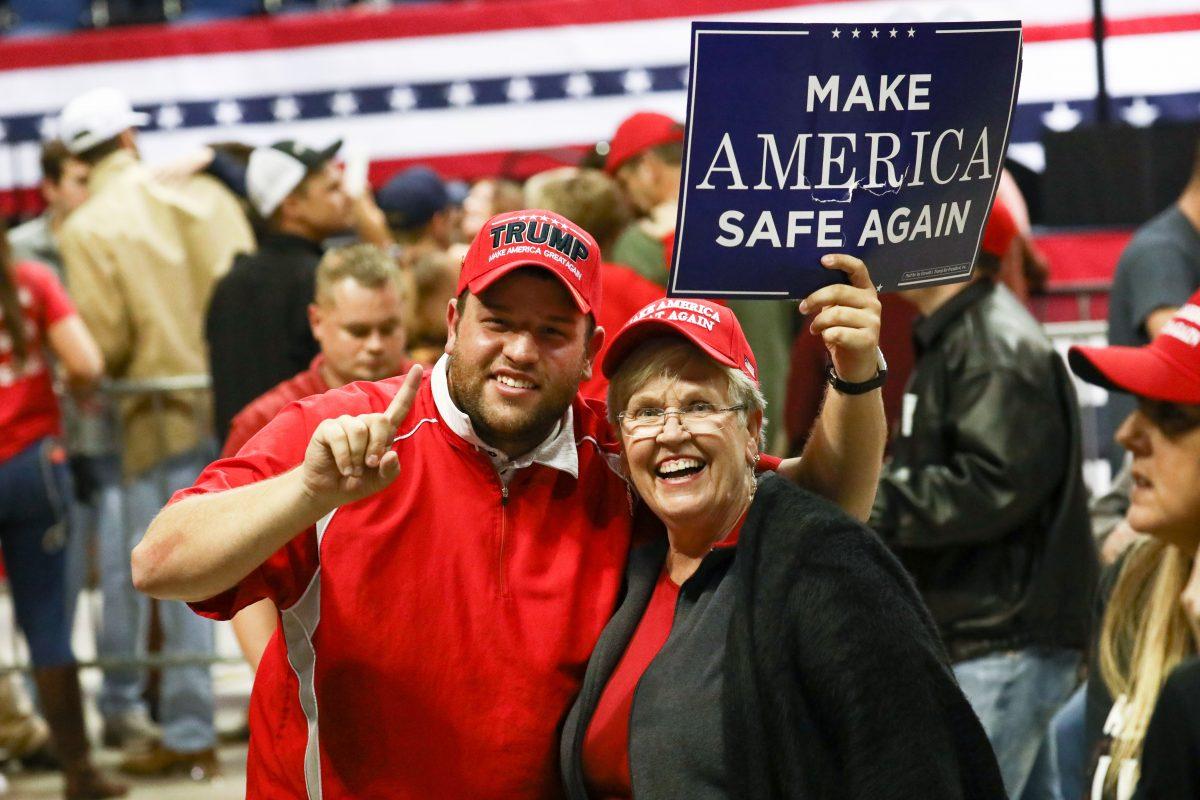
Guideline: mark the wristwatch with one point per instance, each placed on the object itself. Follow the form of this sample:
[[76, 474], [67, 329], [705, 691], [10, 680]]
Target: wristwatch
[[846, 387]]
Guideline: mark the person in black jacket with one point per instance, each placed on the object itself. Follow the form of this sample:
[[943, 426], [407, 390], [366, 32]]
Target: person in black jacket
[[769, 645], [257, 322], [984, 503]]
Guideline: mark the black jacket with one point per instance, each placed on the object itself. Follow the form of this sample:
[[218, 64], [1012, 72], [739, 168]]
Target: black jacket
[[257, 322], [834, 686], [984, 500], [1171, 751]]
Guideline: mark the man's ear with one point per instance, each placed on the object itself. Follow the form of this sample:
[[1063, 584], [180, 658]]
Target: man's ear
[[314, 318], [452, 319], [593, 349], [49, 190]]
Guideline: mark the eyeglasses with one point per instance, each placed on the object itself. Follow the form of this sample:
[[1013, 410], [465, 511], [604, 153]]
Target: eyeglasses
[[697, 418], [1173, 419]]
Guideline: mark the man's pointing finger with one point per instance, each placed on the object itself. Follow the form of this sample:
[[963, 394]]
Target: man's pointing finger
[[398, 409]]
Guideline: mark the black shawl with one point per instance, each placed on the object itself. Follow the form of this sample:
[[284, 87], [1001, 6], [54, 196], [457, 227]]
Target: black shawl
[[836, 684]]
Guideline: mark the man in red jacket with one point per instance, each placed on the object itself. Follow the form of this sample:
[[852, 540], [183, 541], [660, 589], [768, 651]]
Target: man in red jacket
[[435, 627], [356, 318]]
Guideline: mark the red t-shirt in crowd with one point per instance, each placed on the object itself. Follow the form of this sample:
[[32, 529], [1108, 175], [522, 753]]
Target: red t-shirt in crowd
[[254, 417], [433, 635], [28, 407], [251, 419], [606, 742], [625, 293]]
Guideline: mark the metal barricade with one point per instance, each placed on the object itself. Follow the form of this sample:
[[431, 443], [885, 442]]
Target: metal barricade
[[159, 393]]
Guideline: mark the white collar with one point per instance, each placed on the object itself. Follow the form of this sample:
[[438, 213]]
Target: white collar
[[558, 450]]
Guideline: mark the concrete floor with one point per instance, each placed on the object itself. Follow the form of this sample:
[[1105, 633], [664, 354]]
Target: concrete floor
[[230, 786], [231, 688]]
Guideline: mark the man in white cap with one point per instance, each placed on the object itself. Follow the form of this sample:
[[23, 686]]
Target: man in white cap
[[257, 322], [141, 260]]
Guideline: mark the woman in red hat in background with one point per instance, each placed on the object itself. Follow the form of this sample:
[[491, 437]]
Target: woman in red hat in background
[[1148, 633]]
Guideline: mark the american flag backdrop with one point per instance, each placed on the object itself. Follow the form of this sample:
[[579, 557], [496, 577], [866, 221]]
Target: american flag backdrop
[[490, 87]]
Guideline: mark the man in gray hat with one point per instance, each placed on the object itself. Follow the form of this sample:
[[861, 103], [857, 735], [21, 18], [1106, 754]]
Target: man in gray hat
[[141, 260]]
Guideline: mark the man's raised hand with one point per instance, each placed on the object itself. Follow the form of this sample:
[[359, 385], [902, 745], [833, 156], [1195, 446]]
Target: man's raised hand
[[349, 458]]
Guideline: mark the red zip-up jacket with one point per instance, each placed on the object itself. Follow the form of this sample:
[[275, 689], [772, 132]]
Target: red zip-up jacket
[[433, 635]]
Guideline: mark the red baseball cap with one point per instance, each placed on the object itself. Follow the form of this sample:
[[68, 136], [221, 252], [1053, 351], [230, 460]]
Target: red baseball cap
[[638, 134], [1000, 230], [534, 237], [1166, 369], [711, 327]]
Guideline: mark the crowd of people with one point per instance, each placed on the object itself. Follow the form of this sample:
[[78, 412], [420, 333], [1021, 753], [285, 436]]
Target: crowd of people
[[493, 517]]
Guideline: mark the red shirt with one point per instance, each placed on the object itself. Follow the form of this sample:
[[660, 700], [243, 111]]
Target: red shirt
[[440, 629], [606, 742], [28, 407], [625, 293], [251, 419]]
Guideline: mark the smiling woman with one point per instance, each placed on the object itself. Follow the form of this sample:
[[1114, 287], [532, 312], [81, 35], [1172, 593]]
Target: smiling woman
[[844, 646], [1148, 630]]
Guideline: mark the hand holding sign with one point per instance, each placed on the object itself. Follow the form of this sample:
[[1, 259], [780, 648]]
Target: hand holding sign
[[847, 318]]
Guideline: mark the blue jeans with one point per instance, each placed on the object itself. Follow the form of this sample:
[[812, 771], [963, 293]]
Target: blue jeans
[[1015, 694], [1068, 748], [35, 493], [186, 695]]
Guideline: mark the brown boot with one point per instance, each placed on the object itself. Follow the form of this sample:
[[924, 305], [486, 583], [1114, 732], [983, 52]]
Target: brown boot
[[22, 732], [157, 761], [62, 703]]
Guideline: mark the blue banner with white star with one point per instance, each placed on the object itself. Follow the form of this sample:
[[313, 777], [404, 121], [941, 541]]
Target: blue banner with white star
[[882, 141]]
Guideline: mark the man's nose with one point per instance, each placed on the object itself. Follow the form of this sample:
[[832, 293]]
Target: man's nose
[[520, 348], [374, 342]]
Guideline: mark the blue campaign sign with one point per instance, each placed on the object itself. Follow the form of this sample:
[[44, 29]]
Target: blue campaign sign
[[880, 140]]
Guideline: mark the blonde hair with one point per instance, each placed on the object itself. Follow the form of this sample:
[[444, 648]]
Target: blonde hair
[[669, 356], [1145, 634], [587, 197], [368, 265]]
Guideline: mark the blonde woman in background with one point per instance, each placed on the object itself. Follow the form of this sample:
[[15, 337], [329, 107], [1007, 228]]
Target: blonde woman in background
[[1147, 629]]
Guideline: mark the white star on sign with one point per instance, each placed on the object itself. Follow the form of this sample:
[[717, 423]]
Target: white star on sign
[[892, 33], [343, 104], [169, 117], [837, 34], [1061, 117], [285, 109], [854, 33], [227, 112], [460, 94], [1140, 114], [402, 98], [520, 90], [578, 85], [912, 32], [875, 33], [879, 287], [637, 81]]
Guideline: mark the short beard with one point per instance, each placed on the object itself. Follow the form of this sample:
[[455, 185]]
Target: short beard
[[515, 437]]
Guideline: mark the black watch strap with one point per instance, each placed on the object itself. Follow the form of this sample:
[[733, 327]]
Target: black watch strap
[[846, 387]]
